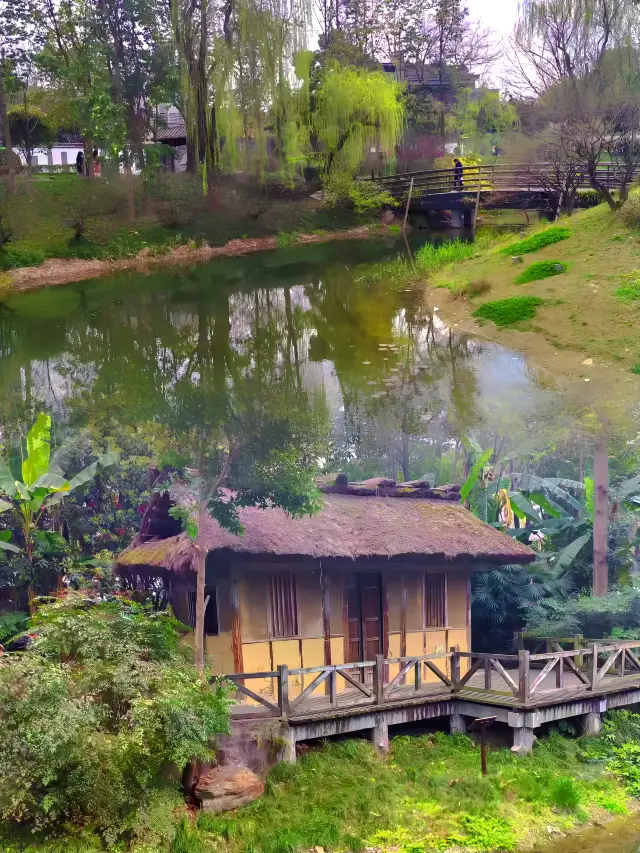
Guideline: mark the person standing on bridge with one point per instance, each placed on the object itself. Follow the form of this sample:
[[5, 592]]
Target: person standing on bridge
[[458, 172]]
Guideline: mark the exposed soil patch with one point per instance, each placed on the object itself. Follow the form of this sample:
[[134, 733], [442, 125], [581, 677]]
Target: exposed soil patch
[[66, 270]]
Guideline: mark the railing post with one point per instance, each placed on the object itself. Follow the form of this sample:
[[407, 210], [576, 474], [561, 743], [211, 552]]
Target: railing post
[[283, 690], [523, 675], [560, 673], [520, 639], [487, 674], [378, 680], [455, 667], [578, 640], [593, 666], [333, 686], [418, 675], [621, 658]]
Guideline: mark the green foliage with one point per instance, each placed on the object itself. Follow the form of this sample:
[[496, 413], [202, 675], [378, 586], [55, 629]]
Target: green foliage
[[539, 270], [434, 256], [353, 109], [286, 239], [537, 241], [629, 291], [565, 793], [363, 197], [636, 369], [95, 713], [12, 623], [629, 213], [587, 615], [506, 312]]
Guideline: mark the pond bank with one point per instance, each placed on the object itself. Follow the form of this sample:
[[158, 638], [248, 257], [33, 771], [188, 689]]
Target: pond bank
[[56, 271], [621, 835], [583, 327]]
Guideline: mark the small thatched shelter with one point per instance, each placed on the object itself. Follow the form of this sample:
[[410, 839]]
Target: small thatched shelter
[[384, 568]]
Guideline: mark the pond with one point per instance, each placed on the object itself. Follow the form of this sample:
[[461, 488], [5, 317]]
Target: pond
[[619, 836], [318, 325]]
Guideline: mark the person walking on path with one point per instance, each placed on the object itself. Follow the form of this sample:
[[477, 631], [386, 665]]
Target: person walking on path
[[80, 162], [458, 172]]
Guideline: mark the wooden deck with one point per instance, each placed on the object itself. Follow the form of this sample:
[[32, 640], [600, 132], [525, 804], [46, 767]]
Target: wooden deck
[[523, 682]]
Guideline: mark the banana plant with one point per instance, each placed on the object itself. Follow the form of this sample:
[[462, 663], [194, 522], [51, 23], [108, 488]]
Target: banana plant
[[41, 488]]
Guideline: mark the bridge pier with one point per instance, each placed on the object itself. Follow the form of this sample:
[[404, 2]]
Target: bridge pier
[[462, 217]]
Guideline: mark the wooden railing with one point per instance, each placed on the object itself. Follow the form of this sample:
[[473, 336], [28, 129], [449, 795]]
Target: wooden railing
[[524, 177], [520, 678]]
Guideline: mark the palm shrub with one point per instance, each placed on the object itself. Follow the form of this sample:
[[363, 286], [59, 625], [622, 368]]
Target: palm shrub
[[95, 713]]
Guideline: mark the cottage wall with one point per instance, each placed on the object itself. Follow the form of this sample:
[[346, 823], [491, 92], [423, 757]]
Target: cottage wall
[[319, 590]]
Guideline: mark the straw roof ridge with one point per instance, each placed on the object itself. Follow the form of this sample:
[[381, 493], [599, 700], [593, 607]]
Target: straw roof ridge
[[359, 521]]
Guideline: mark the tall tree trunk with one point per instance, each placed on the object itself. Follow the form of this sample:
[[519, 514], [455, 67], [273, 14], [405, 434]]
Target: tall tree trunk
[[201, 558], [11, 178], [601, 518]]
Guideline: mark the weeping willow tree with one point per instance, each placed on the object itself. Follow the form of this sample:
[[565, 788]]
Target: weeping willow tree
[[353, 111], [259, 103]]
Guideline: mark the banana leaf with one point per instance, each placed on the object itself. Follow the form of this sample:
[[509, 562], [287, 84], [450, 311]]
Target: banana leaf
[[7, 481], [568, 554], [38, 450], [5, 505], [522, 508], [474, 474]]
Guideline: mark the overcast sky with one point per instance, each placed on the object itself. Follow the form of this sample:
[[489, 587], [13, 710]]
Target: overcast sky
[[499, 16]]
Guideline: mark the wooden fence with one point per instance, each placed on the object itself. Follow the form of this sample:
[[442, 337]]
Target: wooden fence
[[525, 678]]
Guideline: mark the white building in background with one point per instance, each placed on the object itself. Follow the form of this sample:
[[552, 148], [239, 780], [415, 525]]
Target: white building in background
[[61, 154]]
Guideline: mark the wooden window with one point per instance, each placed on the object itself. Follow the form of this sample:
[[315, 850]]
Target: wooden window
[[210, 614], [435, 601], [282, 605]]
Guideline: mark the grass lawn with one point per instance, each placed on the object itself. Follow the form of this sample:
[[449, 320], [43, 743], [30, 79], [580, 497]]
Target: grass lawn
[[428, 796], [587, 327]]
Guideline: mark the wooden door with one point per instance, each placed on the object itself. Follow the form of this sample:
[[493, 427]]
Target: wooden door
[[354, 636], [364, 617], [371, 615]]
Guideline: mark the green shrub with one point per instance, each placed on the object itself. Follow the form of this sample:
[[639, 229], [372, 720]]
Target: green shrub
[[537, 241], [11, 624], [363, 197], [286, 239], [540, 270], [565, 794], [588, 198], [629, 213], [636, 369], [629, 291], [95, 713], [506, 312], [587, 615]]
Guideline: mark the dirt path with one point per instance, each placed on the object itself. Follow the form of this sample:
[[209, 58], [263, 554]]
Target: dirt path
[[66, 270]]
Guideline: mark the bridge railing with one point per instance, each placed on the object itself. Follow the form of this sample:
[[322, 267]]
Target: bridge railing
[[520, 177]]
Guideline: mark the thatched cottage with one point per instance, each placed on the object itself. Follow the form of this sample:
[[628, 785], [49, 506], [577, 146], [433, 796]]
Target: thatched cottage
[[383, 569]]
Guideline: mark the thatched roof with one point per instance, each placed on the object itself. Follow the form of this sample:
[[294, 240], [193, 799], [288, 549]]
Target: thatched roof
[[354, 525]]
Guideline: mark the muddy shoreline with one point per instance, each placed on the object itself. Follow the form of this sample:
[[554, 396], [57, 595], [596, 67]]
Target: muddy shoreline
[[56, 271]]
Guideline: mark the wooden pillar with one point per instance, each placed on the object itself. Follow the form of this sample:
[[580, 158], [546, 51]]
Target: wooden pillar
[[325, 583], [380, 733], [469, 610], [345, 617], [236, 633], [403, 615], [385, 616]]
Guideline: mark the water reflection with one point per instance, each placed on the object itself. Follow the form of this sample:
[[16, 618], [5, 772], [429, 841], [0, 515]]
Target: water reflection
[[393, 384]]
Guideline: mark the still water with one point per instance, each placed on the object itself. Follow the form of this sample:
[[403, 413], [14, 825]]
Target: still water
[[314, 324], [619, 836]]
